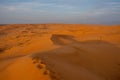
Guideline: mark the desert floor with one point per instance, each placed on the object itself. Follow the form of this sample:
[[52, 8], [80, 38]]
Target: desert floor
[[59, 52]]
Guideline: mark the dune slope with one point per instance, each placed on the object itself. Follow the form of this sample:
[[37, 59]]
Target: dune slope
[[59, 52]]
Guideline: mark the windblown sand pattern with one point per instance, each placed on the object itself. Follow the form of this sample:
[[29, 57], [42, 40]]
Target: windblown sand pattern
[[59, 52]]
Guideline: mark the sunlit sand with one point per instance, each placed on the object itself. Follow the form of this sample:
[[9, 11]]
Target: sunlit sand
[[59, 52]]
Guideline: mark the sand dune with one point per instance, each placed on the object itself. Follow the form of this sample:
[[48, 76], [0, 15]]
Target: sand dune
[[59, 52], [58, 39], [90, 56]]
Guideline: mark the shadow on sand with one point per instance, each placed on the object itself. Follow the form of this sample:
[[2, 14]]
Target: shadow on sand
[[99, 57]]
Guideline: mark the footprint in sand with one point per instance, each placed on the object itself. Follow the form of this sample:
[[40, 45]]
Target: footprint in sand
[[40, 65], [55, 76]]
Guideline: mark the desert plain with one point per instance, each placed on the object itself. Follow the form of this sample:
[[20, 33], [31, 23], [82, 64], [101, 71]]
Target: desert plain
[[59, 52]]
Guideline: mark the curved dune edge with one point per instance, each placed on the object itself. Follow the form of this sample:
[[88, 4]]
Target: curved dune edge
[[83, 61], [25, 68], [59, 52]]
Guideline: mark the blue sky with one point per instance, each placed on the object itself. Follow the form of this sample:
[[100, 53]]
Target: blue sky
[[60, 11]]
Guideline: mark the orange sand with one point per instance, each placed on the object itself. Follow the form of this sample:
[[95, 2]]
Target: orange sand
[[59, 52]]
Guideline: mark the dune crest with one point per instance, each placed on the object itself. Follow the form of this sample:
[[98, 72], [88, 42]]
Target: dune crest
[[59, 52]]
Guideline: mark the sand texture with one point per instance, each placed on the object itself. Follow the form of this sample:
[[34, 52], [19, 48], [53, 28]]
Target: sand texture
[[59, 52]]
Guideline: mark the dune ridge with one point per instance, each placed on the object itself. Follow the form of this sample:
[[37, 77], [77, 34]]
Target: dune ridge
[[59, 52]]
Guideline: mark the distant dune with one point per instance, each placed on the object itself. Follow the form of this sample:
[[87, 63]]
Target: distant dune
[[59, 52]]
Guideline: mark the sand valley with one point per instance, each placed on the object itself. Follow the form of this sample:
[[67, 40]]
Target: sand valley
[[59, 52]]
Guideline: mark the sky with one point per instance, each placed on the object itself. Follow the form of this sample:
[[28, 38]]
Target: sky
[[60, 11]]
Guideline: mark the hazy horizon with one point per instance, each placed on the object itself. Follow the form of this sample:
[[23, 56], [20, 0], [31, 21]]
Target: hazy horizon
[[60, 11]]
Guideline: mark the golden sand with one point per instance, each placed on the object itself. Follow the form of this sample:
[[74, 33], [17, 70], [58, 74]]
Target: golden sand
[[59, 52]]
